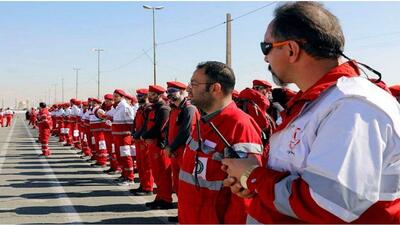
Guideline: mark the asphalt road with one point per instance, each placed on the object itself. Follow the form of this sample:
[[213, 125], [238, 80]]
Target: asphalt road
[[62, 188]]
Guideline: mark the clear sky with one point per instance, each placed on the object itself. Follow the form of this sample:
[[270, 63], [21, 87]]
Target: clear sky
[[41, 42]]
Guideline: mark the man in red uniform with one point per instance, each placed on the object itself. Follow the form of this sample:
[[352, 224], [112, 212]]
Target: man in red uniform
[[1, 117], [96, 127], [122, 122], [44, 128], [155, 138], [81, 127], [75, 112], [181, 124], [202, 197], [142, 151], [9, 115], [60, 121], [67, 124], [334, 156], [88, 145], [106, 113], [33, 118], [262, 86]]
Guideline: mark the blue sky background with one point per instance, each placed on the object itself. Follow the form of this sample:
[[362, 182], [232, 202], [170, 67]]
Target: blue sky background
[[42, 41]]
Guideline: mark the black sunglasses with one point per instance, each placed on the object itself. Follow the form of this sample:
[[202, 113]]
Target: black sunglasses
[[266, 47]]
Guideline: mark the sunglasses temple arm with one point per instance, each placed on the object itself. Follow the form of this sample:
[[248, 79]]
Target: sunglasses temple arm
[[367, 67]]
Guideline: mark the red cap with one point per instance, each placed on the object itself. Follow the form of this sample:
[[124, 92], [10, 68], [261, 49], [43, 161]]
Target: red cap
[[235, 94], [120, 92], [142, 91], [108, 97], [262, 83], [132, 98], [176, 84], [395, 89], [90, 99], [77, 102], [98, 101], [85, 103], [157, 89], [72, 101]]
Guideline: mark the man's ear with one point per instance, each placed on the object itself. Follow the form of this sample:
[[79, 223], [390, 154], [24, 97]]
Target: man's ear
[[216, 87], [294, 51]]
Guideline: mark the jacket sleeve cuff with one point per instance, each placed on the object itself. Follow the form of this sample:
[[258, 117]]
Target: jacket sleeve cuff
[[255, 176], [262, 176]]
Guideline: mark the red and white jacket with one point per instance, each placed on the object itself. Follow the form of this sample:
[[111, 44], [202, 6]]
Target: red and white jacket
[[44, 119], [206, 201], [96, 123], [123, 116], [335, 158]]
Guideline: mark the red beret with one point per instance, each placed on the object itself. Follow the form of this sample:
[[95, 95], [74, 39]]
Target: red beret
[[78, 102], [72, 100], [98, 101], [85, 103], [395, 89], [262, 83], [142, 91], [157, 89], [108, 97], [90, 99], [120, 92], [132, 98], [176, 84]]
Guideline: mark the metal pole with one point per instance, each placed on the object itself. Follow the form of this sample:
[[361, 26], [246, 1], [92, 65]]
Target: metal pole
[[98, 74], [98, 50], [154, 49], [228, 40], [48, 103], [62, 89], [76, 80], [55, 93]]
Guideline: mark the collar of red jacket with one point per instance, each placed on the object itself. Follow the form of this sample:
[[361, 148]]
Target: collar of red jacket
[[295, 105], [207, 117]]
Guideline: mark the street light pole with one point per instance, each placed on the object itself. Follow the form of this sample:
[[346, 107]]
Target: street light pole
[[62, 90], [154, 40], [76, 80], [98, 50], [55, 93]]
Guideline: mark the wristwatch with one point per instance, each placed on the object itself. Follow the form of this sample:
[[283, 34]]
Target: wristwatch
[[245, 176]]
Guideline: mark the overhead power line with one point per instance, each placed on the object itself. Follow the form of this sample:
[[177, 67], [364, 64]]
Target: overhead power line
[[128, 63], [215, 26], [188, 36]]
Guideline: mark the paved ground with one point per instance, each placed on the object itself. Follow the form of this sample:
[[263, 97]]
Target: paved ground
[[62, 188]]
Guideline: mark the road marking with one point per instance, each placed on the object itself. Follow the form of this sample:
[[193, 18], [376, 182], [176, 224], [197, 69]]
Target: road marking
[[68, 207], [4, 148], [155, 213]]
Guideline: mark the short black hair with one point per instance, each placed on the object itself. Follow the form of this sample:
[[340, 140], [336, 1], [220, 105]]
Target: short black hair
[[42, 105], [218, 72], [311, 22]]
